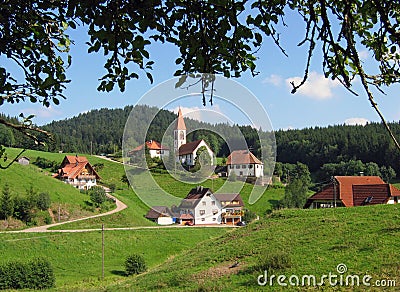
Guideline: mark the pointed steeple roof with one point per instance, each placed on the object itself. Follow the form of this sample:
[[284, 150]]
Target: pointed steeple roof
[[180, 123]]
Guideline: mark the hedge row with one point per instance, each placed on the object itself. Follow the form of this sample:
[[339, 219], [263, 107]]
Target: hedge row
[[35, 274]]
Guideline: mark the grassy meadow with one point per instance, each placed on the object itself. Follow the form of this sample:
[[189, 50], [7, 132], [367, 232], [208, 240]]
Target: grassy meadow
[[287, 242], [77, 257]]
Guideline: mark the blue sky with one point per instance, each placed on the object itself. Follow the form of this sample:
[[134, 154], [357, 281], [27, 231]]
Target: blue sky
[[320, 102]]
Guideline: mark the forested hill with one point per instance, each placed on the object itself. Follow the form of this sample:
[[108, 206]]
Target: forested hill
[[334, 144], [103, 130]]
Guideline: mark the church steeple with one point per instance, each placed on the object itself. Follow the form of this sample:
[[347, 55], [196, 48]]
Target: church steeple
[[179, 132]]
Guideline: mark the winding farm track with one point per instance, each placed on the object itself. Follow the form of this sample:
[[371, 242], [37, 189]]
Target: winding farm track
[[45, 228]]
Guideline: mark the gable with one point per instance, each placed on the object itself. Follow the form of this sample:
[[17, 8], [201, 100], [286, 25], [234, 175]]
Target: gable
[[73, 166], [242, 157]]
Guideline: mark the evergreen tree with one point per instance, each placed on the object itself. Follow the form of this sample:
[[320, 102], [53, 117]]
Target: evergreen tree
[[7, 204]]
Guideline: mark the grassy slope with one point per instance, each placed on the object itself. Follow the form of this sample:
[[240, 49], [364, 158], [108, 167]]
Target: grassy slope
[[20, 178], [76, 257], [315, 241]]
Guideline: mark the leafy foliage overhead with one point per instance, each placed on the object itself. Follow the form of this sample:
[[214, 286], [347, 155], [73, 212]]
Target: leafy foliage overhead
[[218, 37], [213, 37]]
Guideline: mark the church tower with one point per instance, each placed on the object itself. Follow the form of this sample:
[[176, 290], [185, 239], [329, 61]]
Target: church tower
[[179, 132]]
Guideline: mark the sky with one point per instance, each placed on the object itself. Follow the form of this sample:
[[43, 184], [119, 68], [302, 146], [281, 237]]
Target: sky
[[320, 102]]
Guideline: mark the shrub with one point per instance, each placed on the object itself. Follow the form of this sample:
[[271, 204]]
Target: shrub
[[249, 216], [232, 176], [274, 262], [43, 201], [97, 195], [135, 264], [35, 274]]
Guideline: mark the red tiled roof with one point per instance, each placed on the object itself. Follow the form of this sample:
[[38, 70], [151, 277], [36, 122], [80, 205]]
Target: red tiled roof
[[72, 166], [151, 145], [73, 159], [346, 183], [326, 194], [395, 192], [180, 123], [189, 148], [242, 157], [353, 190], [377, 194]]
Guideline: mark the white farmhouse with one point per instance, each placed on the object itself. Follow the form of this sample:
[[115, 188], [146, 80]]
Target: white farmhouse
[[155, 149], [78, 172], [201, 207], [244, 164]]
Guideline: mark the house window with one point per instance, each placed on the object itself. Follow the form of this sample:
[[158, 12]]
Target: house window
[[250, 166], [214, 219], [202, 212], [213, 203], [244, 166], [215, 212], [203, 219], [204, 203], [237, 166], [257, 165]]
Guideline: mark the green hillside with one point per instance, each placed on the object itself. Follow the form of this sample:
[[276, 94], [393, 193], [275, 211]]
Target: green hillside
[[20, 178], [65, 198], [297, 242]]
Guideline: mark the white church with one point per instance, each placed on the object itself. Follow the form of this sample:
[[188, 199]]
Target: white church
[[186, 152]]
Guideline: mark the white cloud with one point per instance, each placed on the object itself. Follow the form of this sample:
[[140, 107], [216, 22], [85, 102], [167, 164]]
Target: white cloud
[[43, 112], [316, 87], [189, 112], [212, 114], [356, 121], [273, 79]]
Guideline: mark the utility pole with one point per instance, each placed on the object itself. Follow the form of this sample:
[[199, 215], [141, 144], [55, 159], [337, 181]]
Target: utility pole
[[102, 251], [334, 191]]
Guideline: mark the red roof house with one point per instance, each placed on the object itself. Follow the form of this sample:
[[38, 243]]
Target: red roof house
[[155, 149], [77, 171], [244, 164], [349, 191]]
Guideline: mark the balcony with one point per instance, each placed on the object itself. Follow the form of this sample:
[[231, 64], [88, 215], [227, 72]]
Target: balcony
[[234, 214], [86, 177]]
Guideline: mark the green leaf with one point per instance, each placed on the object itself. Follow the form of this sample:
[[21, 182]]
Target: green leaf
[[181, 80], [150, 77]]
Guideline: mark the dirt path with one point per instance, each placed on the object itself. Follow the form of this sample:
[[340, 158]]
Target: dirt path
[[120, 206]]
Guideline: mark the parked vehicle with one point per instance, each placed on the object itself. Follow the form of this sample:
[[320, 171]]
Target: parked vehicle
[[241, 223], [189, 223]]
